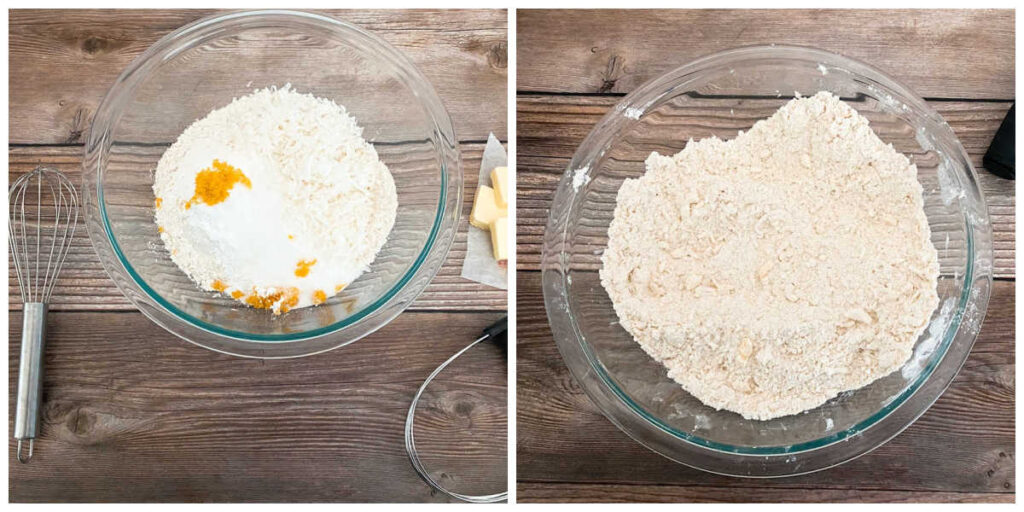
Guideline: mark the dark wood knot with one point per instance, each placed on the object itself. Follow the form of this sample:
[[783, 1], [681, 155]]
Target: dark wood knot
[[464, 409], [93, 45], [613, 71], [81, 422], [497, 55], [78, 125]]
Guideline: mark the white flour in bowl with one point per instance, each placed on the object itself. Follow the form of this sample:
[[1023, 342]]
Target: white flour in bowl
[[274, 199], [771, 272]]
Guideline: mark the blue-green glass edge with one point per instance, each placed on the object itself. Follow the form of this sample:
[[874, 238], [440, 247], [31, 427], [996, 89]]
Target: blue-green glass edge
[[280, 337], [818, 443]]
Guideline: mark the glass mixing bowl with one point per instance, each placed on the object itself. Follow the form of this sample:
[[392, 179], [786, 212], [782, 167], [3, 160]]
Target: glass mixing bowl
[[720, 95], [203, 66]]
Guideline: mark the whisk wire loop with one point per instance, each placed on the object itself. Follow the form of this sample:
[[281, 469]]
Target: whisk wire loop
[[46, 237]]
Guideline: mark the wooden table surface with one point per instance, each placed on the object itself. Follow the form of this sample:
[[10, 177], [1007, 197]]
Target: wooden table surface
[[575, 65], [132, 413]]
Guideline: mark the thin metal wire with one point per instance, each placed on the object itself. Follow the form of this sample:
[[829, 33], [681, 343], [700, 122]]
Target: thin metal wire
[[53, 239], [410, 442], [36, 278], [39, 226], [14, 197], [68, 205]]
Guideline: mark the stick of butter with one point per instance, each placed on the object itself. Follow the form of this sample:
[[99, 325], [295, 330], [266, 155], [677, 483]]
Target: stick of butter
[[499, 179], [499, 238], [485, 208]]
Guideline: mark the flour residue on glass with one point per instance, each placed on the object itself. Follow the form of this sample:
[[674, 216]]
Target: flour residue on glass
[[580, 177]]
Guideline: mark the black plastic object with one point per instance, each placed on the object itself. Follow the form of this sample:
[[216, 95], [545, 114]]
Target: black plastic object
[[496, 332], [999, 157]]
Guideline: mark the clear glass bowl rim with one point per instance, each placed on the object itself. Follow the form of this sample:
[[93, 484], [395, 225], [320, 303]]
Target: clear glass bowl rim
[[446, 216], [635, 421]]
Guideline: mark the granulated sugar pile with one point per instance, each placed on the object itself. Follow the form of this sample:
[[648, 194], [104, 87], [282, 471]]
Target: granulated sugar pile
[[274, 199], [771, 272]]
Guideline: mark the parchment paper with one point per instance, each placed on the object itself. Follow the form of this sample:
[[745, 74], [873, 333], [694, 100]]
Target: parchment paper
[[480, 265]]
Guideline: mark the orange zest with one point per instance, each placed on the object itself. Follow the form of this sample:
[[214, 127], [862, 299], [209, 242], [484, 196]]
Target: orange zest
[[302, 268], [339, 288], [285, 300], [263, 301], [237, 294], [290, 300], [214, 183], [319, 297], [219, 285], [159, 202]]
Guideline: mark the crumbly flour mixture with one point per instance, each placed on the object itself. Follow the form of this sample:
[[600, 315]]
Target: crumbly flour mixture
[[771, 272], [274, 199]]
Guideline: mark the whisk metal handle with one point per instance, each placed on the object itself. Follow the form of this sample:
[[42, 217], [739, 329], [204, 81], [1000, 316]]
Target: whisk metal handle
[[30, 376]]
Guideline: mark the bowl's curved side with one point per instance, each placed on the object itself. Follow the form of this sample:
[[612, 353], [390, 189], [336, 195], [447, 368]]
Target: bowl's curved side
[[841, 446], [402, 294]]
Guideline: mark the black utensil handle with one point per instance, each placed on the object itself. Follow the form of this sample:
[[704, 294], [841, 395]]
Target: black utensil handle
[[495, 330], [999, 159]]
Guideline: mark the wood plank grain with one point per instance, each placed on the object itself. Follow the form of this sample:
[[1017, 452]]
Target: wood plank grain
[[132, 414], [63, 62], [963, 444], [84, 284], [551, 127], [604, 493], [935, 52]]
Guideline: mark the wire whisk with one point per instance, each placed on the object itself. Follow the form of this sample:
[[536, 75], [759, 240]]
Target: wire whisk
[[43, 215]]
